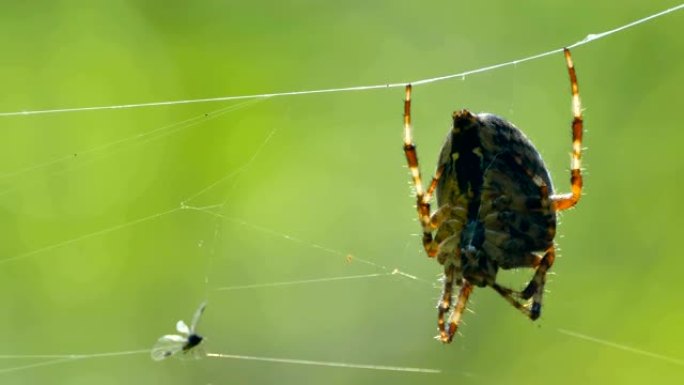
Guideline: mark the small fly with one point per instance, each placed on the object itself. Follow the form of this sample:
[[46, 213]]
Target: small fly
[[186, 342]]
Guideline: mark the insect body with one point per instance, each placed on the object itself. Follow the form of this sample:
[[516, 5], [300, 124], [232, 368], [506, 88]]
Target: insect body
[[496, 207], [186, 342]]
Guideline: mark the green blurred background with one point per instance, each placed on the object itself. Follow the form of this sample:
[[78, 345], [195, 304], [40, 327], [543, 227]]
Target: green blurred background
[[101, 258]]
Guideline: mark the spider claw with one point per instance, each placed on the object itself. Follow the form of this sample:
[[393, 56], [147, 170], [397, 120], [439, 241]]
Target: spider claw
[[535, 312], [443, 337]]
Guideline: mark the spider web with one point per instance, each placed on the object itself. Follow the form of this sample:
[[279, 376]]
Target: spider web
[[277, 271]]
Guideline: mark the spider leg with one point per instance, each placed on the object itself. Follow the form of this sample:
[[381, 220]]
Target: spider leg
[[443, 244], [445, 302], [448, 221], [423, 196], [455, 316], [566, 201], [535, 289], [509, 295]]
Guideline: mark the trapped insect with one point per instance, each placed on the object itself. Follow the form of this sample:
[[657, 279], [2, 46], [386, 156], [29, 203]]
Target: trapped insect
[[186, 342], [496, 207]]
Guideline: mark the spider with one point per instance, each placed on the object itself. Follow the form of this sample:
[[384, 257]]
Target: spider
[[496, 207]]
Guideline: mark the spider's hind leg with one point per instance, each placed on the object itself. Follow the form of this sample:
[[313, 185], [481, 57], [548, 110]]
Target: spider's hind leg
[[534, 289], [510, 296], [455, 317], [444, 304]]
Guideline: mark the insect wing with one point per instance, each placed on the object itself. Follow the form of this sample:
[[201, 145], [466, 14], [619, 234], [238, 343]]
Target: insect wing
[[167, 346], [194, 353], [196, 317], [182, 328]]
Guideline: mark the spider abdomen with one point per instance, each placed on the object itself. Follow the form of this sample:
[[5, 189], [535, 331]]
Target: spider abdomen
[[499, 188]]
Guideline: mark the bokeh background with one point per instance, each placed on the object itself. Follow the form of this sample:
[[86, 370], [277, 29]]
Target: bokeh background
[[97, 255]]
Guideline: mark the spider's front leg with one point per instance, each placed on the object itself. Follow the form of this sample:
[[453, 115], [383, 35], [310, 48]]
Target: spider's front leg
[[566, 201], [422, 197], [428, 222]]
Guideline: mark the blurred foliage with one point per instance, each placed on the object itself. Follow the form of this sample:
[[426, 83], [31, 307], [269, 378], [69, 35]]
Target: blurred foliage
[[106, 260]]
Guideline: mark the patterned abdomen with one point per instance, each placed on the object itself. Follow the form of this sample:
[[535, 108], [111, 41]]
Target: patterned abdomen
[[494, 172]]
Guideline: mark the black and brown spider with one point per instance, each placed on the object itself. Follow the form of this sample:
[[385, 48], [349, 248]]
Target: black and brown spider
[[496, 207]]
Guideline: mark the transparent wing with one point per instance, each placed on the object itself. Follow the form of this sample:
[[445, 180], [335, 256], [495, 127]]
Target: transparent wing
[[195, 353], [196, 317], [167, 346], [182, 328]]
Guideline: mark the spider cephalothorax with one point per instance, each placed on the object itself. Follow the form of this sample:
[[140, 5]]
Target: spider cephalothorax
[[496, 207]]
